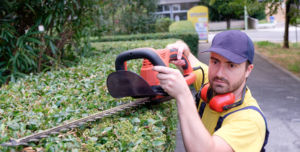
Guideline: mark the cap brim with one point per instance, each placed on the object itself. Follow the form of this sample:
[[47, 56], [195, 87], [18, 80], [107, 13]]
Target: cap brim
[[228, 55]]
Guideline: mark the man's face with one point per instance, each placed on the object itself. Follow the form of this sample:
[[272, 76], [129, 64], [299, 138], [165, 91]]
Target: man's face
[[226, 76]]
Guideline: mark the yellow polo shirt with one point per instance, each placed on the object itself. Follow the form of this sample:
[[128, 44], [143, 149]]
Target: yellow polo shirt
[[243, 130]]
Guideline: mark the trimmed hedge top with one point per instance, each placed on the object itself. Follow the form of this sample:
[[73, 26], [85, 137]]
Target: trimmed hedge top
[[191, 38]]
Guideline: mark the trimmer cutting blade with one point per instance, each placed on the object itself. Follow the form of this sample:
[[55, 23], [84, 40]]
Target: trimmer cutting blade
[[126, 83]]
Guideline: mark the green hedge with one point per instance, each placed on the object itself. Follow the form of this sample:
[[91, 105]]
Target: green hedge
[[182, 26], [190, 38], [162, 24], [39, 102]]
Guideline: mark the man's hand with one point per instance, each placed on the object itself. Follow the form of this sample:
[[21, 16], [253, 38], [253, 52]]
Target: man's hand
[[172, 81], [182, 49]]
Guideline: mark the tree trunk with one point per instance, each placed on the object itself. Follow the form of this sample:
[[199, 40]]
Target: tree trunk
[[287, 21], [228, 23]]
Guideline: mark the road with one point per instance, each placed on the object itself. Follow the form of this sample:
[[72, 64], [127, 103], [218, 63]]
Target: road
[[269, 34]]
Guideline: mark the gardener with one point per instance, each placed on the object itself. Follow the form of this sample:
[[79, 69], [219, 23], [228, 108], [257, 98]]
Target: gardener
[[214, 124]]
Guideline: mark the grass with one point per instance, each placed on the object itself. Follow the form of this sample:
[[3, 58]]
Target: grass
[[286, 58], [263, 21]]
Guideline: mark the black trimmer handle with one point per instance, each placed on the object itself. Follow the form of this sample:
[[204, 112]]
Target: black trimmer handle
[[140, 53]]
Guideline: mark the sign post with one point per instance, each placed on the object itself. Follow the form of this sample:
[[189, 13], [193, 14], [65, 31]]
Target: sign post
[[198, 15]]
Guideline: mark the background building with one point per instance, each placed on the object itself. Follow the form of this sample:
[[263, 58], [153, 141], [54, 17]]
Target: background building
[[175, 9]]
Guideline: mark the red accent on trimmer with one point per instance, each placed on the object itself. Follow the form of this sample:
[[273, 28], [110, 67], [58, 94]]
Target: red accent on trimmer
[[166, 56]]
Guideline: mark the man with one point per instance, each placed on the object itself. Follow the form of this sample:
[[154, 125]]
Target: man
[[243, 127]]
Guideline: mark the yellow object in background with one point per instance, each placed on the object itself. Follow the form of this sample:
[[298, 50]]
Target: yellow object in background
[[198, 15]]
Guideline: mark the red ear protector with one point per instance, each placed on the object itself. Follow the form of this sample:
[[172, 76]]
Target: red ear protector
[[219, 102]]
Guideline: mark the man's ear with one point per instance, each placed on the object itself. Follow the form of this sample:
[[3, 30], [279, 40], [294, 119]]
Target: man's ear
[[249, 70]]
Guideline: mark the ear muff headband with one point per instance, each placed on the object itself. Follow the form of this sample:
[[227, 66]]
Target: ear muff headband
[[235, 104], [220, 102]]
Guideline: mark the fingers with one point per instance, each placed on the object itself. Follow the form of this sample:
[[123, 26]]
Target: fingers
[[162, 69], [180, 52], [181, 47], [171, 80], [178, 62], [167, 77], [165, 73]]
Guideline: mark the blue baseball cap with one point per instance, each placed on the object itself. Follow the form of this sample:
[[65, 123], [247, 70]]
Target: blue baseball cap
[[234, 45]]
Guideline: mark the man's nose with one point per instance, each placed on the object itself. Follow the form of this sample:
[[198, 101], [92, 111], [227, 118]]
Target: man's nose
[[220, 71]]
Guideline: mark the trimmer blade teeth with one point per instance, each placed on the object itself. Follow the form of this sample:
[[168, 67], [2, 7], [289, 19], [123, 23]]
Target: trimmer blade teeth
[[33, 140], [73, 126], [44, 136]]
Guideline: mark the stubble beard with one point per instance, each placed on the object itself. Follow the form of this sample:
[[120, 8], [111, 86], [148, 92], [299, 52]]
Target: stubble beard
[[226, 87]]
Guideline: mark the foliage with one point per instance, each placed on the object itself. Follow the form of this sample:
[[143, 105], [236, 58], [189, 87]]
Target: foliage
[[259, 14], [128, 17], [42, 101], [182, 26], [162, 24], [295, 13], [256, 10], [25, 49], [220, 10], [190, 38], [273, 6]]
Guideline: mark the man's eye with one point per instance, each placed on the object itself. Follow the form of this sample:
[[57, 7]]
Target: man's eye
[[232, 65]]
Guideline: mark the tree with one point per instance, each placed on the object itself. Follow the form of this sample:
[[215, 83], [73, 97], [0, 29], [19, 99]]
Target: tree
[[287, 22], [256, 9], [128, 16], [291, 14], [37, 35], [230, 9]]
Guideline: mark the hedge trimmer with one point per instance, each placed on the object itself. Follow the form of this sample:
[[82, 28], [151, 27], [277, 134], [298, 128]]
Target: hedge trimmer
[[124, 83]]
